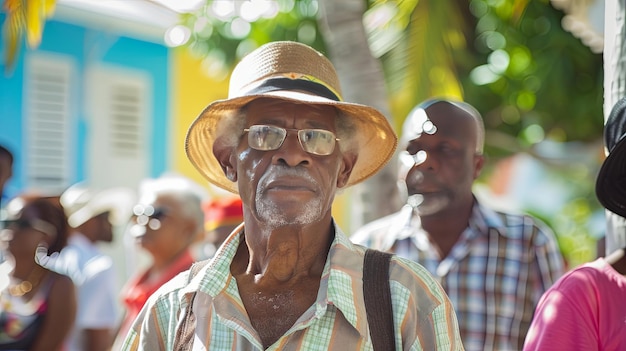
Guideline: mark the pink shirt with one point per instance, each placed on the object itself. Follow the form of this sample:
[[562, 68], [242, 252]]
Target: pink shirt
[[584, 310]]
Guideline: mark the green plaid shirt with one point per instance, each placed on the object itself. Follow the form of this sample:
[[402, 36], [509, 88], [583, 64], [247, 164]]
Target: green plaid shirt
[[423, 315]]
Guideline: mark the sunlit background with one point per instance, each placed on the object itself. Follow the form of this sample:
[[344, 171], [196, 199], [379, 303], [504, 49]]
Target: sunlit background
[[107, 90]]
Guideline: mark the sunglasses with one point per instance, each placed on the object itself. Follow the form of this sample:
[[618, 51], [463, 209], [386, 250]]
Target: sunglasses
[[314, 141], [147, 215], [34, 223]]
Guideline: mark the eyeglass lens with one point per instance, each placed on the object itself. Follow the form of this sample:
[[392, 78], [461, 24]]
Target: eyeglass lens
[[147, 215], [314, 141]]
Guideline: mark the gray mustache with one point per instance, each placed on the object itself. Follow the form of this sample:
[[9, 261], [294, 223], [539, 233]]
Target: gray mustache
[[274, 172]]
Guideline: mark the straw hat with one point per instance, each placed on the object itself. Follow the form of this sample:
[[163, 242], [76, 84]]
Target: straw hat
[[292, 72]]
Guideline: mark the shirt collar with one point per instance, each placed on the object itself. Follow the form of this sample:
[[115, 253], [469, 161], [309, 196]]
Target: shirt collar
[[79, 239], [481, 221], [218, 275], [484, 220], [340, 285]]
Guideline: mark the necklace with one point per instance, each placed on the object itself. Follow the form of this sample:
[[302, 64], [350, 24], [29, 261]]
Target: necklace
[[27, 285]]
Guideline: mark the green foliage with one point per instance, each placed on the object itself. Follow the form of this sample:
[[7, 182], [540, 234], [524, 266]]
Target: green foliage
[[542, 76], [532, 80], [535, 82], [224, 31]]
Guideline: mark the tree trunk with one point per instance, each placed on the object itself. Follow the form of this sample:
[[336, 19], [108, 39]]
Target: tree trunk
[[614, 88], [362, 81]]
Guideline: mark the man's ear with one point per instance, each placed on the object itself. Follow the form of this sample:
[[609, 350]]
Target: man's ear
[[225, 156], [479, 162], [349, 160]]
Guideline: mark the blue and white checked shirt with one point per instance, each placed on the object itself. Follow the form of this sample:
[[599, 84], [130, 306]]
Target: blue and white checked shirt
[[494, 274]]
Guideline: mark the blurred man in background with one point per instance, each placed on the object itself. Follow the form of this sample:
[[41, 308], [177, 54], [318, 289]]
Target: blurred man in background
[[92, 214], [493, 265]]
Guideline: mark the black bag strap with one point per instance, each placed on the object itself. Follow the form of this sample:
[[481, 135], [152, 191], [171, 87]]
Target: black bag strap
[[377, 296], [376, 291]]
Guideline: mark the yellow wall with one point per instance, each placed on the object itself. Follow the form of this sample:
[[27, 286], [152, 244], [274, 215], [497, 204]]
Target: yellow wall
[[192, 90]]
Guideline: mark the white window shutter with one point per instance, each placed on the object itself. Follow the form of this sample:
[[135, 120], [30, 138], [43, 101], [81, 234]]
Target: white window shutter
[[118, 110], [46, 129]]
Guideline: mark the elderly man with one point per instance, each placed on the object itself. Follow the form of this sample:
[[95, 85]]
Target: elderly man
[[493, 265], [289, 279]]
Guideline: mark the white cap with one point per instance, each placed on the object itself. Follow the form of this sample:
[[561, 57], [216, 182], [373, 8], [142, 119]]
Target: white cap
[[82, 203]]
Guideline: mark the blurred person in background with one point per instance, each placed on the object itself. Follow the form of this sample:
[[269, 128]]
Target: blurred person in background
[[221, 216], [166, 221], [37, 305], [6, 172], [494, 266], [586, 308], [92, 214]]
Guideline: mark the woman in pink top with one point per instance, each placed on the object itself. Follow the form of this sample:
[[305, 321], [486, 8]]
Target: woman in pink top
[[586, 308]]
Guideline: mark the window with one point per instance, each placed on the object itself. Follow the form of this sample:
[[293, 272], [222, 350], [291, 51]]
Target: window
[[47, 111], [118, 115]]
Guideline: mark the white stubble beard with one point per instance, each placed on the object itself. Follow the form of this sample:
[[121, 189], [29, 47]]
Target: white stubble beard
[[272, 215]]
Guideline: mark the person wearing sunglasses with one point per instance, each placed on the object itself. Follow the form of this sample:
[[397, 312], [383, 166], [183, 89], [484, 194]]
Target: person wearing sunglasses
[[37, 305], [289, 278], [166, 221]]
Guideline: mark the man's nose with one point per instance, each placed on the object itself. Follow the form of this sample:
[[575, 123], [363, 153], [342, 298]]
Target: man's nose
[[291, 152]]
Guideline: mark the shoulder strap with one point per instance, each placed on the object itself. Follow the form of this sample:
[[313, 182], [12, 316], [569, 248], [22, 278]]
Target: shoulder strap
[[183, 339], [377, 296]]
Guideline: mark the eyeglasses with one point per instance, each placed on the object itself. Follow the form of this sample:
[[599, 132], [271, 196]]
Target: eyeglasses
[[147, 215], [314, 141], [33, 223]]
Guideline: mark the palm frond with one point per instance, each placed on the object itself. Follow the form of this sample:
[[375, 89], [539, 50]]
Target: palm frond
[[23, 16], [421, 65]]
